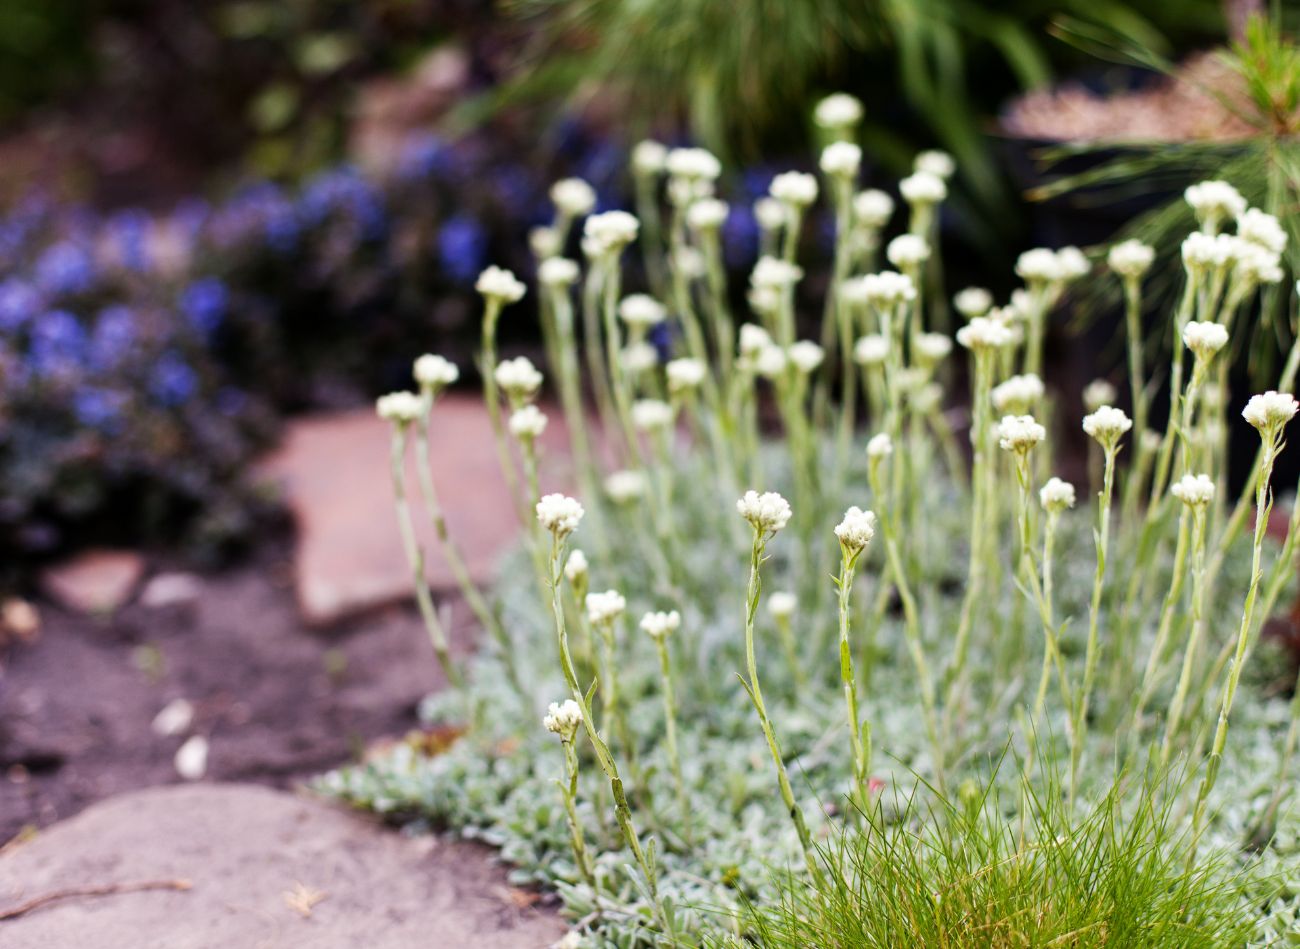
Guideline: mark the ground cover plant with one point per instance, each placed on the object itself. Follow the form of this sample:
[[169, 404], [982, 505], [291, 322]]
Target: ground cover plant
[[800, 669]]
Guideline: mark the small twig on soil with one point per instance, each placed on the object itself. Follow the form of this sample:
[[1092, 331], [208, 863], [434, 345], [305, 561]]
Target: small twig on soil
[[106, 889]]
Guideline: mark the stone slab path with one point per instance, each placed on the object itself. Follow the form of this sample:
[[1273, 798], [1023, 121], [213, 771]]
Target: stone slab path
[[267, 869]]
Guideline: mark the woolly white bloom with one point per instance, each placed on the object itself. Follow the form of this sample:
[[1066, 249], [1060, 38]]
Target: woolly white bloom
[[650, 415], [435, 372], [794, 188], [853, 291], [625, 486], [1017, 394], [880, 446], [1131, 258], [1097, 393], [873, 208], [1202, 251], [1107, 425], [770, 213], [782, 604], [935, 162], [1205, 338], [982, 333], [767, 512], [1056, 495], [544, 242], [641, 311], [1214, 199], [527, 423], [774, 273], [841, 159], [1263, 229], [497, 283], [683, 192], [771, 362], [685, 374], [708, 214], [559, 514], [518, 378], [908, 250], [856, 530], [871, 350], [573, 197], [1149, 441], [658, 625], [649, 157], [563, 718], [1257, 264], [1021, 306], [911, 379], [973, 302], [1039, 265], [576, 567], [931, 348], [693, 163], [1072, 263], [922, 187], [640, 357], [1019, 433], [605, 607], [926, 398], [806, 356], [609, 232], [1194, 490], [838, 111], [1270, 410], [753, 339], [557, 272], [689, 262], [888, 288], [400, 407]]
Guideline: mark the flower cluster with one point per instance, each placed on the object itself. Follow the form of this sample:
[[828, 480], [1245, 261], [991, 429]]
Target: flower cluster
[[767, 512]]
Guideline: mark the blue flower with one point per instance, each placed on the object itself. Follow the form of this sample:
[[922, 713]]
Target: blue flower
[[173, 381], [129, 231], [57, 345], [740, 238], [100, 409], [424, 156], [204, 304], [19, 302], [462, 248], [113, 337], [65, 268]]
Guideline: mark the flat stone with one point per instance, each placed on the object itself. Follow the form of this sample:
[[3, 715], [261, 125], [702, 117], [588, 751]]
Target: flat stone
[[335, 473], [265, 868], [171, 589], [95, 581]]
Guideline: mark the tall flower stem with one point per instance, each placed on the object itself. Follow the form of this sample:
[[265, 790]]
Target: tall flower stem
[[569, 791], [1174, 719], [859, 731], [487, 369], [670, 735]]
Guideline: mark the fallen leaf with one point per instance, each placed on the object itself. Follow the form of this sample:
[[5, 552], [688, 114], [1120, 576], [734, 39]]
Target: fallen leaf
[[301, 899]]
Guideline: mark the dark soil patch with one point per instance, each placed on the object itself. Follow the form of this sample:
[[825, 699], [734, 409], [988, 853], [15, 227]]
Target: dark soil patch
[[278, 703]]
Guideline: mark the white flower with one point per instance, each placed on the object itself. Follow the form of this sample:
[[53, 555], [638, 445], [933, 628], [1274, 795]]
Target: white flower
[[191, 759], [683, 192], [609, 232], [931, 348], [1205, 338], [685, 374], [907, 250], [856, 530], [841, 159], [1019, 433], [708, 214], [527, 423], [689, 262], [1131, 258], [1097, 393], [651, 415], [1271, 410], [880, 446], [973, 302], [659, 624], [767, 512], [1257, 264], [625, 486], [563, 718], [873, 208], [1193, 490], [926, 398], [982, 333], [435, 372], [935, 162], [794, 188], [806, 356], [1039, 265], [1072, 263], [782, 604], [649, 157], [641, 311], [557, 272], [770, 213], [499, 284], [911, 379], [559, 514], [518, 378], [887, 288], [1056, 495], [1018, 393], [544, 242], [774, 273], [1201, 251], [400, 407], [1216, 199], [640, 357], [753, 339], [922, 187], [573, 197], [575, 568], [1263, 229], [838, 111], [1107, 425], [871, 350], [693, 163], [605, 607], [771, 362]]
